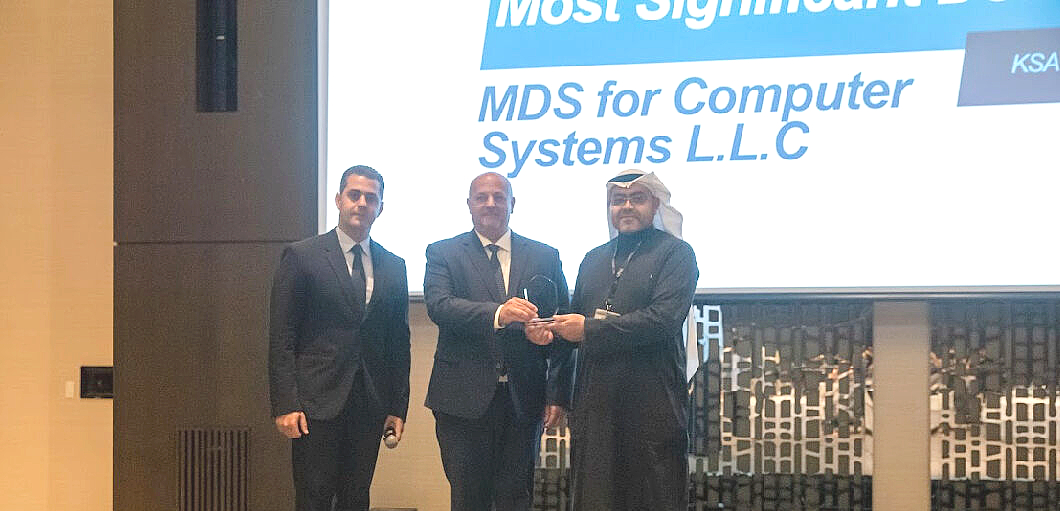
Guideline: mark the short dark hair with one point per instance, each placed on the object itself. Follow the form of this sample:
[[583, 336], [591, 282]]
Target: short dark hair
[[361, 170]]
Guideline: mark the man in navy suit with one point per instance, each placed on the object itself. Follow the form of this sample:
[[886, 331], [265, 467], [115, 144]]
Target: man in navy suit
[[492, 386], [339, 350]]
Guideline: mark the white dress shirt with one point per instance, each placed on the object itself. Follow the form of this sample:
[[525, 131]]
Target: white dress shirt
[[346, 243]]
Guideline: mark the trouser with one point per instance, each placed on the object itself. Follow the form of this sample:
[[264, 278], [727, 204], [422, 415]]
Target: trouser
[[335, 462], [489, 461]]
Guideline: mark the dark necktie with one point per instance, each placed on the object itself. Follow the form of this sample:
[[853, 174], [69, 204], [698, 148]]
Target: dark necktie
[[495, 264], [496, 349], [360, 289]]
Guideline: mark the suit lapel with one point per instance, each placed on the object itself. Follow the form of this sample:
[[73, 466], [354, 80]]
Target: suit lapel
[[520, 263], [333, 253], [379, 275], [481, 265]]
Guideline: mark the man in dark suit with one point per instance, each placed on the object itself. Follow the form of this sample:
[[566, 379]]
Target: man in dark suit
[[339, 350], [494, 382]]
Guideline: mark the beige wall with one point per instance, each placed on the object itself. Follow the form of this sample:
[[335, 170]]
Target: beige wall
[[901, 437], [55, 268]]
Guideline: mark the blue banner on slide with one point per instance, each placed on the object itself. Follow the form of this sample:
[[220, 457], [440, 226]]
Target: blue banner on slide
[[1011, 67], [547, 33]]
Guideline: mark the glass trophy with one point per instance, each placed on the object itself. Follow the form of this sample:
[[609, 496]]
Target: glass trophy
[[541, 291]]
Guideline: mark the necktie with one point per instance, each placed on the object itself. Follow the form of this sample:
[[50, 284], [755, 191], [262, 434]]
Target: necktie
[[496, 349], [359, 286], [498, 277]]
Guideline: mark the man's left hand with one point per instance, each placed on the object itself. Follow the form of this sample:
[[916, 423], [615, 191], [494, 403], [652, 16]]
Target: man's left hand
[[569, 326], [538, 334], [553, 416]]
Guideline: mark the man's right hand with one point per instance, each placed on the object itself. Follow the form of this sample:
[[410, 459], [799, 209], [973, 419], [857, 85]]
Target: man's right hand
[[516, 310], [292, 425], [569, 326]]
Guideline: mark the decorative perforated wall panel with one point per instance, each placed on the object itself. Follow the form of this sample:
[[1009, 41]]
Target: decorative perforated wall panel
[[780, 411], [994, 405], [782, 407]]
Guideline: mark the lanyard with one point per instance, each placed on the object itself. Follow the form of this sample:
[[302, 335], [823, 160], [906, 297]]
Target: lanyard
[[617, 273]]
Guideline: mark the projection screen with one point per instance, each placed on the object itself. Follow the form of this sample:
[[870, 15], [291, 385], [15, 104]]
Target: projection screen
[[810, 144]]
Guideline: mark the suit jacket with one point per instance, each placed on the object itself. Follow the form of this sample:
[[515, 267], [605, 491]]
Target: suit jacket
[[462, 301], [319, 338]]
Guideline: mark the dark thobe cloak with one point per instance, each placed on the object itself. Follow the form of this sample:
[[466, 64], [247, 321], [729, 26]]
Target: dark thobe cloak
[[629, 419]]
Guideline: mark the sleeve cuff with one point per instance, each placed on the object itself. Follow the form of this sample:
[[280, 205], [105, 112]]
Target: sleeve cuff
[[497, 318]]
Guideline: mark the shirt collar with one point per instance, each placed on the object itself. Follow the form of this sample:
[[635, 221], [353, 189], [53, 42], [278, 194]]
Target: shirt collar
[[346, 243], [505, 241]]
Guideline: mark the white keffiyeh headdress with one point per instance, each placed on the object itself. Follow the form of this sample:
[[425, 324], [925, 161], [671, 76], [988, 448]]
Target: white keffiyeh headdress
[[667, 218]]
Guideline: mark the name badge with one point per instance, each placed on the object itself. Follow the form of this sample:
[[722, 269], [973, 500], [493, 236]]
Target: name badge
[[604, 314]]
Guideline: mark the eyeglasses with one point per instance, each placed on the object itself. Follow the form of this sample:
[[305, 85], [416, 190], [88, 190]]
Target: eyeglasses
[[636, 199]]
